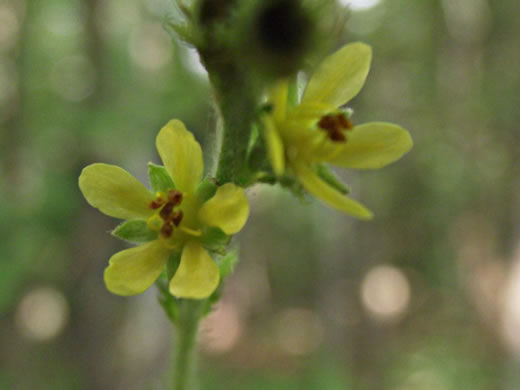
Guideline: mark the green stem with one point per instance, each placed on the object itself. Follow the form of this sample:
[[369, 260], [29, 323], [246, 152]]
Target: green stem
[[237, 102], [190, 312]]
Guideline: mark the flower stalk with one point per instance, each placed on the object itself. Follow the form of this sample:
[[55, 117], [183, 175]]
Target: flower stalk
[[184, 354]]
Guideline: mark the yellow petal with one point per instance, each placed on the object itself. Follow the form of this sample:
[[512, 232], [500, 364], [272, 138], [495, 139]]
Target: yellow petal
[[197, 276], [373, 145], [320, 189], [181, 155], [275, 148], [277, 96], [340, 76], [228, 209], [132, 271], [115, 192]]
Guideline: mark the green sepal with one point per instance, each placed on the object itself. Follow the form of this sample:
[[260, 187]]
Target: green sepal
[[159, 179], [169, 303], [293, 185], [206, 189], [227, 263], [135, 231], [325, 173], [215, 239], [173, 263]]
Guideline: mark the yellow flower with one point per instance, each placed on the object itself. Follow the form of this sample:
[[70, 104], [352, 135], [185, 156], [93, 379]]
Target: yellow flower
[[317, 131], [178, 216]]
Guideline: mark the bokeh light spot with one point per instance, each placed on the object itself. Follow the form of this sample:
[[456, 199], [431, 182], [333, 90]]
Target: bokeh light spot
[[42, 314], [385, 293], [222, 329]]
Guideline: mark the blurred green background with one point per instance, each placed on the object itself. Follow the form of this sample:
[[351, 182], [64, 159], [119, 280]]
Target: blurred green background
[[425, 297]]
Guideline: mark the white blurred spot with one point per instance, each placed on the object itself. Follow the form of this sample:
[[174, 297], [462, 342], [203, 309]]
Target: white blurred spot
[[73, 78], [299, 331], [221, 330], [9, 26], [150, 46], [193, 63], [360, 5], [385, 293], [42, 314]]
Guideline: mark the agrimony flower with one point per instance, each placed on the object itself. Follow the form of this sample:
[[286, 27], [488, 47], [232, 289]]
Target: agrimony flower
[[178, 218], [317, 130]]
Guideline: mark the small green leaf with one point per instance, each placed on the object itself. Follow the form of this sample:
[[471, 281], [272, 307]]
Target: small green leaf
[[134, 230], [159, 179], [227, 263], [325, 173]]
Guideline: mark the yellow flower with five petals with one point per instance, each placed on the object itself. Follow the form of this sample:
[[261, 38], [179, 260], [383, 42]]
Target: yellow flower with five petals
[[318, 131], [178, 216]]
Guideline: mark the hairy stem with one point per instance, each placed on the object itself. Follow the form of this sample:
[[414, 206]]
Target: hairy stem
[[237, 102]]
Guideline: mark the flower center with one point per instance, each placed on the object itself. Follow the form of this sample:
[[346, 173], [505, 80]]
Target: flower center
[[336, 126], [167, 218]]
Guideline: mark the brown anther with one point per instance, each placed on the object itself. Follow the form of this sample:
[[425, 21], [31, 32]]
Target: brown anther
[[166, 211], [337, 136], [345, 122], [176, 217], [174, 197], [155, 204], [335, 125], [327, 122], [167, 229]]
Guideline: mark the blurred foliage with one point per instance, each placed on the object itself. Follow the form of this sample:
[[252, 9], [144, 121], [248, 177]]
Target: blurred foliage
[[83, 81]]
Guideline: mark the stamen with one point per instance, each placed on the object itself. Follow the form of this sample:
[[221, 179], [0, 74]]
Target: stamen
[[166, 211], [176, 217], [174, 197], [158, 202], [345, 122], [167, 218], [167, 229], [335, 125], [155, 204]]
